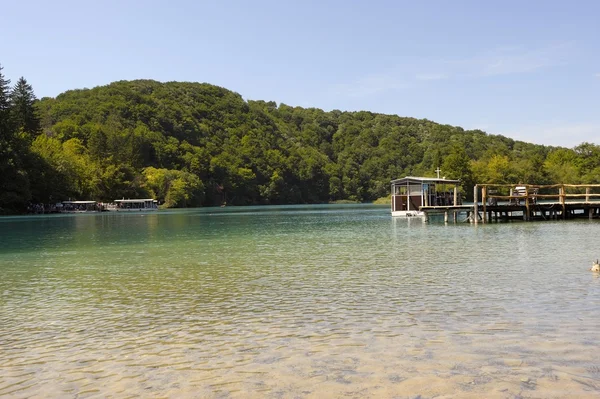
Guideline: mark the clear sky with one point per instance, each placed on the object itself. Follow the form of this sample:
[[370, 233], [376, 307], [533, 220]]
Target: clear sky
[[529, 70]]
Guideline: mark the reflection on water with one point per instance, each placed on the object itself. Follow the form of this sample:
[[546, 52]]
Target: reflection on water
[[296, 302]]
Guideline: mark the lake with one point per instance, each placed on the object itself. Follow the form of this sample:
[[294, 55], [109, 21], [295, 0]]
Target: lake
[[296, 302]]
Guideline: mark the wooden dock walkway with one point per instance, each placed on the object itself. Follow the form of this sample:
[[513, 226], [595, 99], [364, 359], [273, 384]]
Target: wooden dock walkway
[[503, 202]]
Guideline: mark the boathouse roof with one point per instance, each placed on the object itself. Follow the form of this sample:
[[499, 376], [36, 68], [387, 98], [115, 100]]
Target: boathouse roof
[[415, 179], [135, 200]]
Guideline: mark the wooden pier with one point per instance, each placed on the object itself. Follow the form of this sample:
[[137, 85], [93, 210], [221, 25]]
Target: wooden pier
[[503, 202]]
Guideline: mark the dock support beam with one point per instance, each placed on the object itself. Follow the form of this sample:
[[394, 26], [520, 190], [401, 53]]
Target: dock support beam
[[527, 210], [561, 192], [475, 204], [484, 203], [455, 196]]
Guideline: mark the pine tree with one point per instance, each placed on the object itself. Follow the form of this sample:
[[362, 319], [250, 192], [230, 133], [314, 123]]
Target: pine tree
[[14, 181], [23, 112], [5, 128]]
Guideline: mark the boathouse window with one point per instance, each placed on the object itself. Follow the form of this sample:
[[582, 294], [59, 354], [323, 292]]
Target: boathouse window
[[400, 190], [415, 189]]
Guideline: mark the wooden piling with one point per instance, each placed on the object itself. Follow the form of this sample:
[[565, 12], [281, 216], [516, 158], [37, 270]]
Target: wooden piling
[[561, 192], [475, 204], [484, 203], [528, 211]]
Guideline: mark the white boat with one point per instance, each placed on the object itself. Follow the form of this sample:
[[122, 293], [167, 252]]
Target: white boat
[[78, 206], [411, 193], [133, 205]]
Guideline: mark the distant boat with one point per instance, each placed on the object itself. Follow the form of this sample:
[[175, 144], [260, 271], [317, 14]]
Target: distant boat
[[132, 205], [78, 207]]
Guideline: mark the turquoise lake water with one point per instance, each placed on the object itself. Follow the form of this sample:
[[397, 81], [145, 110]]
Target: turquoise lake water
[[296, 302]]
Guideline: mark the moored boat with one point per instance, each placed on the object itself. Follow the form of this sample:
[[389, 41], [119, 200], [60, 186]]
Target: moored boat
[[78, 207], [133, 205]]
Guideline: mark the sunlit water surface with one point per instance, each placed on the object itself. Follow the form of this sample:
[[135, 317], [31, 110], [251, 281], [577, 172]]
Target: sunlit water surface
[[296, 302]]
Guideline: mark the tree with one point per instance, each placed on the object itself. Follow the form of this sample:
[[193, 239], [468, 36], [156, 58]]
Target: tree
[[457, 165], [14, 154], [588, 156], [561, 166], [5, 128], [499, 170], [174, 188], [22, 109]]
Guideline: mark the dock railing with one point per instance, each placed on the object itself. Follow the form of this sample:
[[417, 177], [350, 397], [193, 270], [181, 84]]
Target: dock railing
[[532, 194]]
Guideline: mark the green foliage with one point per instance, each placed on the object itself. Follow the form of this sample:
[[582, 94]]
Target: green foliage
[[561, 166], [14, 182], [387, 200], [58, 180], [22, 109], [5, 126], [174, 188], [457, 165], [195, 144], [16, 160]]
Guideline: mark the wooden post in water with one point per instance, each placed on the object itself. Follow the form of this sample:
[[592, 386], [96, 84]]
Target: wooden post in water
[[561, 192], [475, 204], [484, 203], [527, 211], [446, 216], [455, 195]]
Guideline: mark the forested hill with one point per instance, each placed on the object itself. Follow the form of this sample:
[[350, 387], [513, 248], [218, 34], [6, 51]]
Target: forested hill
[[193, 144]]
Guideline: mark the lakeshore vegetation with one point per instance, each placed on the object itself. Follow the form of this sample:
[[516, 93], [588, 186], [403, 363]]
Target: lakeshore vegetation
[[196, 144]]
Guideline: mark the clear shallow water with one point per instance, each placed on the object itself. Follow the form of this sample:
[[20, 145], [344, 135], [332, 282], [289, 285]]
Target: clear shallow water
[[286, 302]]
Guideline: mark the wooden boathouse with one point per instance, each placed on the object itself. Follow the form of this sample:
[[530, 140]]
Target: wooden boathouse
[[502, 202], [410, 194]]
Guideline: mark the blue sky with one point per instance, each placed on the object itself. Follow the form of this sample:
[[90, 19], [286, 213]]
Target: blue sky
[[529, 70]]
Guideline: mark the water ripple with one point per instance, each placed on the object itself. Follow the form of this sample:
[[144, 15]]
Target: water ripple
[[315, 302]]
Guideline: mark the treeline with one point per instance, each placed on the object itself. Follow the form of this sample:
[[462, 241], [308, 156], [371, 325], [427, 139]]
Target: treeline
[[22, 171], [195, 144]]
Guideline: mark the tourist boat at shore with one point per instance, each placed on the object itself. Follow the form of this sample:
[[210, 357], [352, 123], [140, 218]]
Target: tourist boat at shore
[[410, 193], [133, 205], [78, 207]]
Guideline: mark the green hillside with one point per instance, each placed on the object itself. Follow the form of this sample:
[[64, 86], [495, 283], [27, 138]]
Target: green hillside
[[195, 144]]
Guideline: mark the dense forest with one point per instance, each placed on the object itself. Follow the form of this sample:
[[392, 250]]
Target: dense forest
[[195, 144]]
